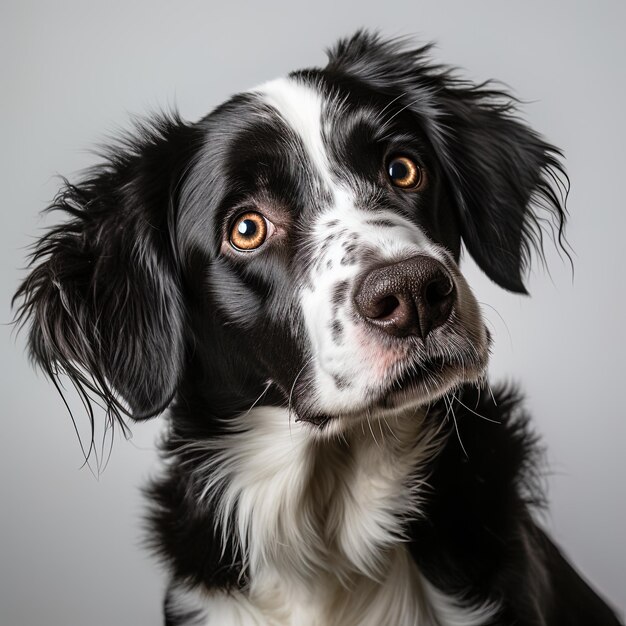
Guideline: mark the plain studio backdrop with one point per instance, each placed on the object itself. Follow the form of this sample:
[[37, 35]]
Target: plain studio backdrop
[[74, 73]]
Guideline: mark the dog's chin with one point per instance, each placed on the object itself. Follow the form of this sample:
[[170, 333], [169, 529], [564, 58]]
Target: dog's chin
[[408, 393]]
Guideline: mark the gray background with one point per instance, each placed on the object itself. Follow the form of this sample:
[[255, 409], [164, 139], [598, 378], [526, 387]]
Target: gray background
[[73, 72]]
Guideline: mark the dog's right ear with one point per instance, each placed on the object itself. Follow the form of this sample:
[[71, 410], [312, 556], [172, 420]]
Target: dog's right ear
[[103, 297]]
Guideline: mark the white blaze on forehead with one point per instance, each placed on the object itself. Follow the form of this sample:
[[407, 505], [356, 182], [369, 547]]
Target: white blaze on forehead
[[301, 107]]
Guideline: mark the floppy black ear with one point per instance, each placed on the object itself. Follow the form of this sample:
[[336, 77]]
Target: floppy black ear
[[505, 180], [103, 297]]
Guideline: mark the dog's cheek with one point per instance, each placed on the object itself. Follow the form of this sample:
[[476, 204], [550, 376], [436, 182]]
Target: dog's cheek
[[470, 317], [338, 371]]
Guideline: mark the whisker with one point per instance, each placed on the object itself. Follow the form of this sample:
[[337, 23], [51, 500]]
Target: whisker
[[369, 423], [267, 386], [458, 434], [293, 386], [404, 93], [488, 385], [487, 419], [501, 319]]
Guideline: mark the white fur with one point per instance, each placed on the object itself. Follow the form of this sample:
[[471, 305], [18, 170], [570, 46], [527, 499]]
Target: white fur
[[320, 524], [301, 108], [358, 357]]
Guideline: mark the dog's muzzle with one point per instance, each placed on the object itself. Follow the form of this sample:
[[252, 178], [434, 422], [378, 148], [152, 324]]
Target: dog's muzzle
[[411, 297]]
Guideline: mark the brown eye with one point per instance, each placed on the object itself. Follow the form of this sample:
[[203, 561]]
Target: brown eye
[[405, 173], [249, 231]]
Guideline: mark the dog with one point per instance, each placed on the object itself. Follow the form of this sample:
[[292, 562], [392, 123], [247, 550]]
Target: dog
[[283, 278]]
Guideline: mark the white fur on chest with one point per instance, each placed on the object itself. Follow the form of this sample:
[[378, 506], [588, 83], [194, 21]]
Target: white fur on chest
[[320, 525], [403, 598]]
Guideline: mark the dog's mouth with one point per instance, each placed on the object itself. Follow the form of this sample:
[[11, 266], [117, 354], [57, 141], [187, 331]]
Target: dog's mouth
[[434, 369], [417, 383]]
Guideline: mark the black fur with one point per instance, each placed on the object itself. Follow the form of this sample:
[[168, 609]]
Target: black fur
[[133, 300], [105, 296], [495, 164], [478, 534]]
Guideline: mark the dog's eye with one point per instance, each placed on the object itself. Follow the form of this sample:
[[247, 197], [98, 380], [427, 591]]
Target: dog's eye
[[249, 231], [405, 173]]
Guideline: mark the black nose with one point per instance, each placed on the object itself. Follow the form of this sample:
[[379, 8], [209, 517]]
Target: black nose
[[411, 297]]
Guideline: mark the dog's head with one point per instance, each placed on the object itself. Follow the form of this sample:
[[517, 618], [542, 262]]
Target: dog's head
[[299, 245]]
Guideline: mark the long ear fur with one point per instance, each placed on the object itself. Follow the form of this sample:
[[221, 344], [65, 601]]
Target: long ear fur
[[502, 174], [506, 181], [103, 297]]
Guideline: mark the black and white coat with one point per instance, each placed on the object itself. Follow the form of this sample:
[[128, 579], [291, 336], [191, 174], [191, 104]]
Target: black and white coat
[[335, 455]]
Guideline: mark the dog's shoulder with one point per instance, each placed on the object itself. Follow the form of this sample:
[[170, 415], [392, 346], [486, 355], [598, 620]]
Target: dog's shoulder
[[478, 536], [491, 464], [480, 486]]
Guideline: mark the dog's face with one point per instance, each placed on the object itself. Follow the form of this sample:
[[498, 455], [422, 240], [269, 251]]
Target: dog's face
[[321, 230], [301, 241]]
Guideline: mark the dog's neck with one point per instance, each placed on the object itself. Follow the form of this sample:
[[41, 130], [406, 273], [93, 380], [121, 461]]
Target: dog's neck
[[317, 520], [304, 503]]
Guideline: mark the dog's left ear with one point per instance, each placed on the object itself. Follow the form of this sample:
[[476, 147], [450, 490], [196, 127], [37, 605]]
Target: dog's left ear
[[505, 180]]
